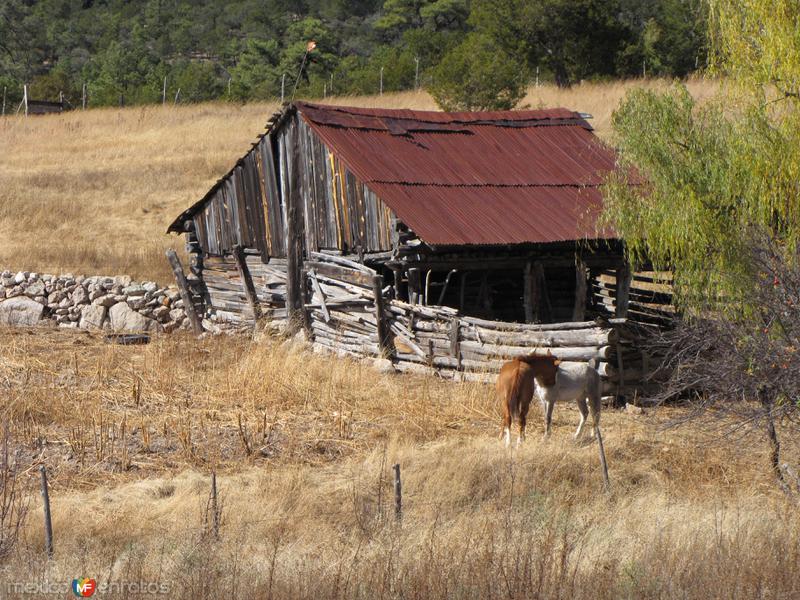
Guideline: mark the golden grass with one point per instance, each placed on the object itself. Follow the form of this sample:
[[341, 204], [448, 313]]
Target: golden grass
[[130, 435], [93, 192]]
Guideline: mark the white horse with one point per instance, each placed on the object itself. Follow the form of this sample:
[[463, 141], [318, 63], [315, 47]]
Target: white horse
[[574, 381]]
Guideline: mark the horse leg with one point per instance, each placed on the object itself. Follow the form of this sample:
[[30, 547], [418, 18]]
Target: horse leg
[[550, 400], [584, 410], [506, 433], [523, 421]]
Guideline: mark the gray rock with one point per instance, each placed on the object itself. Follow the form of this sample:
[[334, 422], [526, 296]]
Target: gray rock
[[56, 297], [15, 291], [33, 276], [176, 314], [79, 296], [122, 280], [20, 311], [35, 289], [106, 300], [6, 274], [20, 277], [93, 316], [173, 295], [150, 286], [137, 302], [65, 303], [123, 318], [134, 290], [41, 300], [69, 325], [161, 313], [62, 312], [383, 365], [97, 293]]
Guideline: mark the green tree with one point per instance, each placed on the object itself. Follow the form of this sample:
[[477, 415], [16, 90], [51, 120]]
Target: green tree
[[572, 39], [477, 75], [718, 171]]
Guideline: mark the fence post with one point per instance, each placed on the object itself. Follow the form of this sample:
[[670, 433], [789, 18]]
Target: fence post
[[83, 96], [164, 91], [25, 97], [380, 315], [183, 288], [380, 91], [4, 100], [48, 523], [214, 505], [398, 494]]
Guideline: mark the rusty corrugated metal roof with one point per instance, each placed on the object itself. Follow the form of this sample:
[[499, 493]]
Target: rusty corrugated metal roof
[[475, 178]]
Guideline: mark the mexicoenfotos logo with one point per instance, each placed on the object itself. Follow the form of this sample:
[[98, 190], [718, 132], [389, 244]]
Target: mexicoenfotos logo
[[84, 587]]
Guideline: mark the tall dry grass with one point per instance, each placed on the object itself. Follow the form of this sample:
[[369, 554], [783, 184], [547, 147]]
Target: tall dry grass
[[130, 435], [93, 192]]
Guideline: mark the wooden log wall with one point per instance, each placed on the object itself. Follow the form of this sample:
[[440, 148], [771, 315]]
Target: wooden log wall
[[244, 208], [649, 302], [342, 318], [226, 292], [340, 212]]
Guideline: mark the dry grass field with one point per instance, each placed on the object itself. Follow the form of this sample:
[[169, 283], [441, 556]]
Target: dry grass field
[[303, 444], [93, 192], [130, 435]]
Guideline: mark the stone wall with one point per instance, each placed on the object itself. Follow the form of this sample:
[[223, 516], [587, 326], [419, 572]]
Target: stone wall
[[108, 303]]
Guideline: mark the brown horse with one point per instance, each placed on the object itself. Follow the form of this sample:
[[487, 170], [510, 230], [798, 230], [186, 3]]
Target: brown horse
[[516, 385]]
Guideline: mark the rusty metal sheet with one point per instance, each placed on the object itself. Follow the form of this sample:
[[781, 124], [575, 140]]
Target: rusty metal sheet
[[475, 178]]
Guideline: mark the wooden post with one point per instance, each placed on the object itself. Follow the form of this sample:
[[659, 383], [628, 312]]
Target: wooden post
[[398, 495], [380, 316], [541, 300], [183, 288], [528, 292], [294, 232], [398, 280], [83, 96], [48, 522], [164, 91], [247, 281], [214, 505], [414, 285], [177, 95], [624, 276], [579, 311], [4, 100], [25, 97], [455, 346], [61, 99], [603, 463]]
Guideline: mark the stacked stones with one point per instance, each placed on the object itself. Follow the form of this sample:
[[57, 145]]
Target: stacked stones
[[110, 303]]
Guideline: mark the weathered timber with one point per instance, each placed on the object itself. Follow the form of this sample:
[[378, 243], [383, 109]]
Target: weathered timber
[[294, 237], [503, 326], [579, 310], [528, 292], [183, 289], [247, 281], [315, 282], [380, 314], [584, 353], [343, 262], [343, 274], [547, 339], [455, 347]]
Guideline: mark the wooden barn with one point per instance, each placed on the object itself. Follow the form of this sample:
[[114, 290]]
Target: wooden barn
[[444, 241]]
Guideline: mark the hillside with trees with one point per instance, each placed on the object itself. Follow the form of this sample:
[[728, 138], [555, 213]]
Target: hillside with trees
[[245, 50]]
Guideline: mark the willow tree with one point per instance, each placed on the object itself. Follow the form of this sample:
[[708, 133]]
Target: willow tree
[[712, 192], [706, 176]]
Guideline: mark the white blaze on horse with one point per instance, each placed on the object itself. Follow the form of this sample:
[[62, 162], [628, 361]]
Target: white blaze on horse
[[551, 381]]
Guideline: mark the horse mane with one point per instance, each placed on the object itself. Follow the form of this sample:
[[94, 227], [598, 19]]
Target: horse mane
[[534, 357]]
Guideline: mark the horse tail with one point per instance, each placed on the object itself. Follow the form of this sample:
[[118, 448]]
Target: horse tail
[[513, 401]]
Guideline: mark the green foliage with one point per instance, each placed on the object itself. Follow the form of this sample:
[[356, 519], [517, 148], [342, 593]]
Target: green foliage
[[716, 175], [477, 75], [204, 47]]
